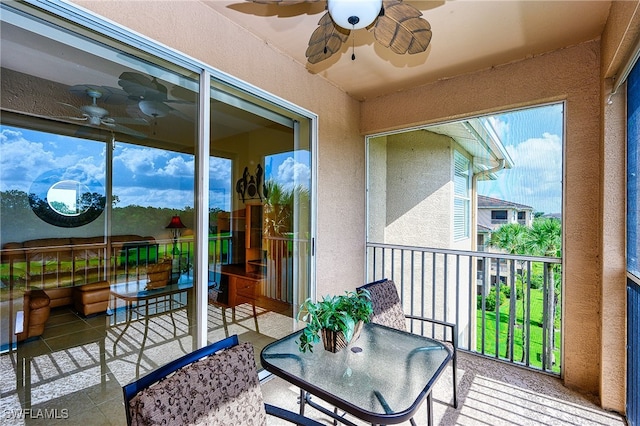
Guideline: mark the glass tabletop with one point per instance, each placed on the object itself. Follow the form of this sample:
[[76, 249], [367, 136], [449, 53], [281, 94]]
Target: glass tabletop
[[384, 375]]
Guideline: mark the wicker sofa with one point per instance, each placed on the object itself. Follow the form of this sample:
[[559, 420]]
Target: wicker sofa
[[75, 271]]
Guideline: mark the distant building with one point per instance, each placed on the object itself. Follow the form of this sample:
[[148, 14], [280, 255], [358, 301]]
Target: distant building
[[493, 213]]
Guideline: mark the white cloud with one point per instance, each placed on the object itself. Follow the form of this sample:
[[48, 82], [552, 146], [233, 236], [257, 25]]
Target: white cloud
[[536, 178], [149, 197], [177, 166], [500, 126], [292, 173], [139, 160], [22, 160]]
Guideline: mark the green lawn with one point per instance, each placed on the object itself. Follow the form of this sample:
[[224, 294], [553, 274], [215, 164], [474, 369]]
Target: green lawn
[[535, 330]]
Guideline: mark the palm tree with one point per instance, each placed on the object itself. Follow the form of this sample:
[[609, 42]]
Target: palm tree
[[545, 239], [512, 238], [279, 207]]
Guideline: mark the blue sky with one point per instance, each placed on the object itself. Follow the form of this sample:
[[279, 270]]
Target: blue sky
[[159, 178], [533, 139], [141, 175]]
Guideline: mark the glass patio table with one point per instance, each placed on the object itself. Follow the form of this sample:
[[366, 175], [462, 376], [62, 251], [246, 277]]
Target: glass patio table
[[381, 378]]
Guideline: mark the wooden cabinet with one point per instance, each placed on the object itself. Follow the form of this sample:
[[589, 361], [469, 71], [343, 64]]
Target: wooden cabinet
[[238, 287], [254, 228]]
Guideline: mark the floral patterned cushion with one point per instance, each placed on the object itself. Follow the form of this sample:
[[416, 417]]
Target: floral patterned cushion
[[222, 389], [387, 309]]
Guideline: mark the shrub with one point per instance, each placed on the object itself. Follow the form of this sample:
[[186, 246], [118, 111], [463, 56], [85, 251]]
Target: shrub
[[490, 300], [506, 290], [536, 281]]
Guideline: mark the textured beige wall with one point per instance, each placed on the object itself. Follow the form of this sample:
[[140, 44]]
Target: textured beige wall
[[419, 190], [618, 39], [572, 75], [192, 28]]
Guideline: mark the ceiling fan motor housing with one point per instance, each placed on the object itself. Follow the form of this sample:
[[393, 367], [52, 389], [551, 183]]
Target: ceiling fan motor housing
[[354, 14]]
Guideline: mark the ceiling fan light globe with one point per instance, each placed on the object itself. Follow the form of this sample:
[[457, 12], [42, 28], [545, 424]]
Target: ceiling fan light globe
[[153, 108], [363, 12], [94, 121], [94, 111]]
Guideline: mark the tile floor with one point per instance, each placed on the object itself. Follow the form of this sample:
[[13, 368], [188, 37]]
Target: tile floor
[[77, 369]]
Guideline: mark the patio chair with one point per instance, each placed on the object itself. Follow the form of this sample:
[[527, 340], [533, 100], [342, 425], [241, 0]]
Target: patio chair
[[215, 385], [387, 310]]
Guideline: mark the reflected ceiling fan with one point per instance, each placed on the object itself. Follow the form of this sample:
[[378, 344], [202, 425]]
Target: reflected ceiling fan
[[150, 96], [97, 116], [395, 25]]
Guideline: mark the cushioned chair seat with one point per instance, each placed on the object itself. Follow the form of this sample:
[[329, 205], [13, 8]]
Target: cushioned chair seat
[[60, 296], [91, 298], [215, 385]]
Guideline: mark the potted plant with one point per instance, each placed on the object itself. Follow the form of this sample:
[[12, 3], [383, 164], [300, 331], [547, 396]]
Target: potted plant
[[337, 319]]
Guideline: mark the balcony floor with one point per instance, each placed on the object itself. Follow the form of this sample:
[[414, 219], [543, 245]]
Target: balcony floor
[[490, 393], [69, 376]]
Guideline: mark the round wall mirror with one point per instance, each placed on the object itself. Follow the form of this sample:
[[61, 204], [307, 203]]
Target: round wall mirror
[[67, 198]]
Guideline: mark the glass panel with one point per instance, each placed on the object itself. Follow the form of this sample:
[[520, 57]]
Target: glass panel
[[259, 245], [633, 170], [97, 154]]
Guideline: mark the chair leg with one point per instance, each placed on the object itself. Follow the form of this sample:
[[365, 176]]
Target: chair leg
[[455, 380], [224, 321], [429, 410], [302, 401], [255, 317]]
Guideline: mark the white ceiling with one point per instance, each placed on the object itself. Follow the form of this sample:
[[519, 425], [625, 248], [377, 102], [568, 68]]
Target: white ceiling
[[467, 36]]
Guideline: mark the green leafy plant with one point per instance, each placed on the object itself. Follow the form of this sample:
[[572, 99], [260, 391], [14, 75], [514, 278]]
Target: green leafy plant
[[336, 313]]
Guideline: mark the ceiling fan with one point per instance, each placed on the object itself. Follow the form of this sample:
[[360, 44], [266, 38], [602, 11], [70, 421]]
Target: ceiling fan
[[394, 24], [97, 116], [150, 96]]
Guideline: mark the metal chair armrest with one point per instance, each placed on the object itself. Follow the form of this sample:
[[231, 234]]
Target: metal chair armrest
[[454, 327], [290, 416], [454, 342]]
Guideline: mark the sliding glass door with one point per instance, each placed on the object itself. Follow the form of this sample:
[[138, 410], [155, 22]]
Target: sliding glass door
[[102, 207], [259, 222]]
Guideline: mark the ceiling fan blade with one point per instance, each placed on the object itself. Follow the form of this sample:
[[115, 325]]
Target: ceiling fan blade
[[402, 29], [326, 40], [130, 121], [136, 78], [75, 108], [64, 117], [108, 95], [136, 85]]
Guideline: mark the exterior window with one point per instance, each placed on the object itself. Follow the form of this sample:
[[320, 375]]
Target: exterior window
[[499, 216], [461, 198]]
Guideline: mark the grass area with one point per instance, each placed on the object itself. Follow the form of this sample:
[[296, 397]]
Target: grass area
[[535, 331]]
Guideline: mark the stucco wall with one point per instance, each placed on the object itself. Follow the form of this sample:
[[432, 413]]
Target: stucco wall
[[419, 189], [572, 75], [619, 36], [195, 29]]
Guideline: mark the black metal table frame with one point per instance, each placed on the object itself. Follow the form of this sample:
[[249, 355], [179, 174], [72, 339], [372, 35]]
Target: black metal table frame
[[130, 298], [307, 389]]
